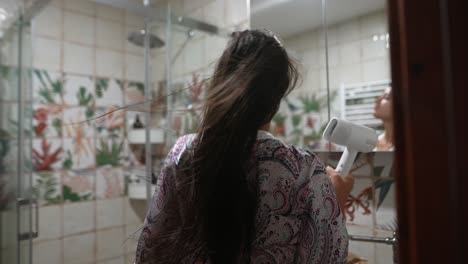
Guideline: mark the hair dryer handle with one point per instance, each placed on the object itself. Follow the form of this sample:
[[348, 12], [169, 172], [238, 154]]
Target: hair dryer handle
[[346, 161]]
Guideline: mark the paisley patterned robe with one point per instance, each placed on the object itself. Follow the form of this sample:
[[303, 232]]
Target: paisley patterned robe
[[298, 219]]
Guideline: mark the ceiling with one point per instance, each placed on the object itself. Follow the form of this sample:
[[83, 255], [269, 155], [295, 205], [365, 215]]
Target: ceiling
[[290, 17]]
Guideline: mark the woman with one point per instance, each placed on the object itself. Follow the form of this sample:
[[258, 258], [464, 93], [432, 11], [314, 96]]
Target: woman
[[233, 193], [383, 111]]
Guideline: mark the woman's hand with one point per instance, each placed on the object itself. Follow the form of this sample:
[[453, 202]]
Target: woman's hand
[[342, 185]]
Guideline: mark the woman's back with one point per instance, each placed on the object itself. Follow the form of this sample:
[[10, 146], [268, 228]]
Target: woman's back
[[297, 217]]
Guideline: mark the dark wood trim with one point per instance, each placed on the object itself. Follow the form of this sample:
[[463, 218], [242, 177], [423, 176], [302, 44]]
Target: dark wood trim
[[429, 58]]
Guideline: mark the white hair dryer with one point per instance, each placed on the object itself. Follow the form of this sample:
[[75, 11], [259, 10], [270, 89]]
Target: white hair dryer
[[355, 137]]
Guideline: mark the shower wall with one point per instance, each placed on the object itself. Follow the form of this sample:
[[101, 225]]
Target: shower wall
[[85, 67]]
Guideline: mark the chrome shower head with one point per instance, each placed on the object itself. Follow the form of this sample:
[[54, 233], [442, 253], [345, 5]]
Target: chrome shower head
[[138, 38]]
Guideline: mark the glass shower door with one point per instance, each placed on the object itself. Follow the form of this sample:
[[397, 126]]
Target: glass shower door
[[16, 202]]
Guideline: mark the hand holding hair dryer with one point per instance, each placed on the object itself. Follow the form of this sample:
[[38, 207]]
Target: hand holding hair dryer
[[355, 137]]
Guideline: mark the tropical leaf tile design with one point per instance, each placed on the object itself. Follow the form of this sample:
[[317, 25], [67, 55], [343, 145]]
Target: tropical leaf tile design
[[78, 122], [79, 153], [47, 154], [134, 93], [47, 87], [111, 122], [109, 152], [109, 183], [47, 187], [109, 92], [9, 82], [78, 90], [47, 120], [78, 185]]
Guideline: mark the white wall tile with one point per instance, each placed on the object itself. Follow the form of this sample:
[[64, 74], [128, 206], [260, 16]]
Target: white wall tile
[[195, 55], [178, 64], [79, 249], [383, 252], [109, 34], [49, 252], [363, 250], [135, 67], [134, 20], [214, 47], [108, 12], [311, 81], [312, 59], [158, 66], [191, 5], [48, 22], [50, 224], [332, 35], [132, 234], [376, 70], [135, 211], [349, 31], [375, 23], [374, 49], [119, 260], [78, 28], [46, 54], [235, 12], [82, 6], [78, 217], [333, 56], [350, 53], [78, 59], [110, 243], [109, 63], [110, 213], [351, 73], [214, 13]]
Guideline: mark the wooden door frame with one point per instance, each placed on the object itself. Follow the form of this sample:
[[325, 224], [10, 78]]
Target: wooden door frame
[[428, 42]]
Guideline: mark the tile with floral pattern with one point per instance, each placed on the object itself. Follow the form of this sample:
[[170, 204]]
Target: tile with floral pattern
[[78, 122], [110, 122], [109, 183], [78, 185], [78, 90], [134, 93], [47, 87], [9, 116], [109, 92], [47, 187], [47, 120], [78, 153], [47, 154], [109, 152]]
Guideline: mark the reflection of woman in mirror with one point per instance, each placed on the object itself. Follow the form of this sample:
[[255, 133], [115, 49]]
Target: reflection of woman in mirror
[[383, 111]]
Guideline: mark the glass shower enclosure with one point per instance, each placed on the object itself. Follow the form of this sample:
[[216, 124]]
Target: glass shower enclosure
[[18, 208]]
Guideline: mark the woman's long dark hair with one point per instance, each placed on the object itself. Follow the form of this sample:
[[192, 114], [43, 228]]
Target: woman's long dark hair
[[251, 77]]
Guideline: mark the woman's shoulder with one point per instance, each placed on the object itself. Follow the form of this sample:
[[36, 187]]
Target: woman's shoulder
[[180, 147], [271, 148]]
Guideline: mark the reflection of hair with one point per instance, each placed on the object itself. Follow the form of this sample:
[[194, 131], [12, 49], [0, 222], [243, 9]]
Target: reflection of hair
[[251, 78]]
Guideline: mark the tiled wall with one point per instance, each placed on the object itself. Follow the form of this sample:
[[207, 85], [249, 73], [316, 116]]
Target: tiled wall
[[353, 57], [85, 67]]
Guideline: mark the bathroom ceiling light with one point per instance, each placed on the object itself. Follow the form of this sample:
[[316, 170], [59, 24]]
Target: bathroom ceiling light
[[375, 38], [382, 37]]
